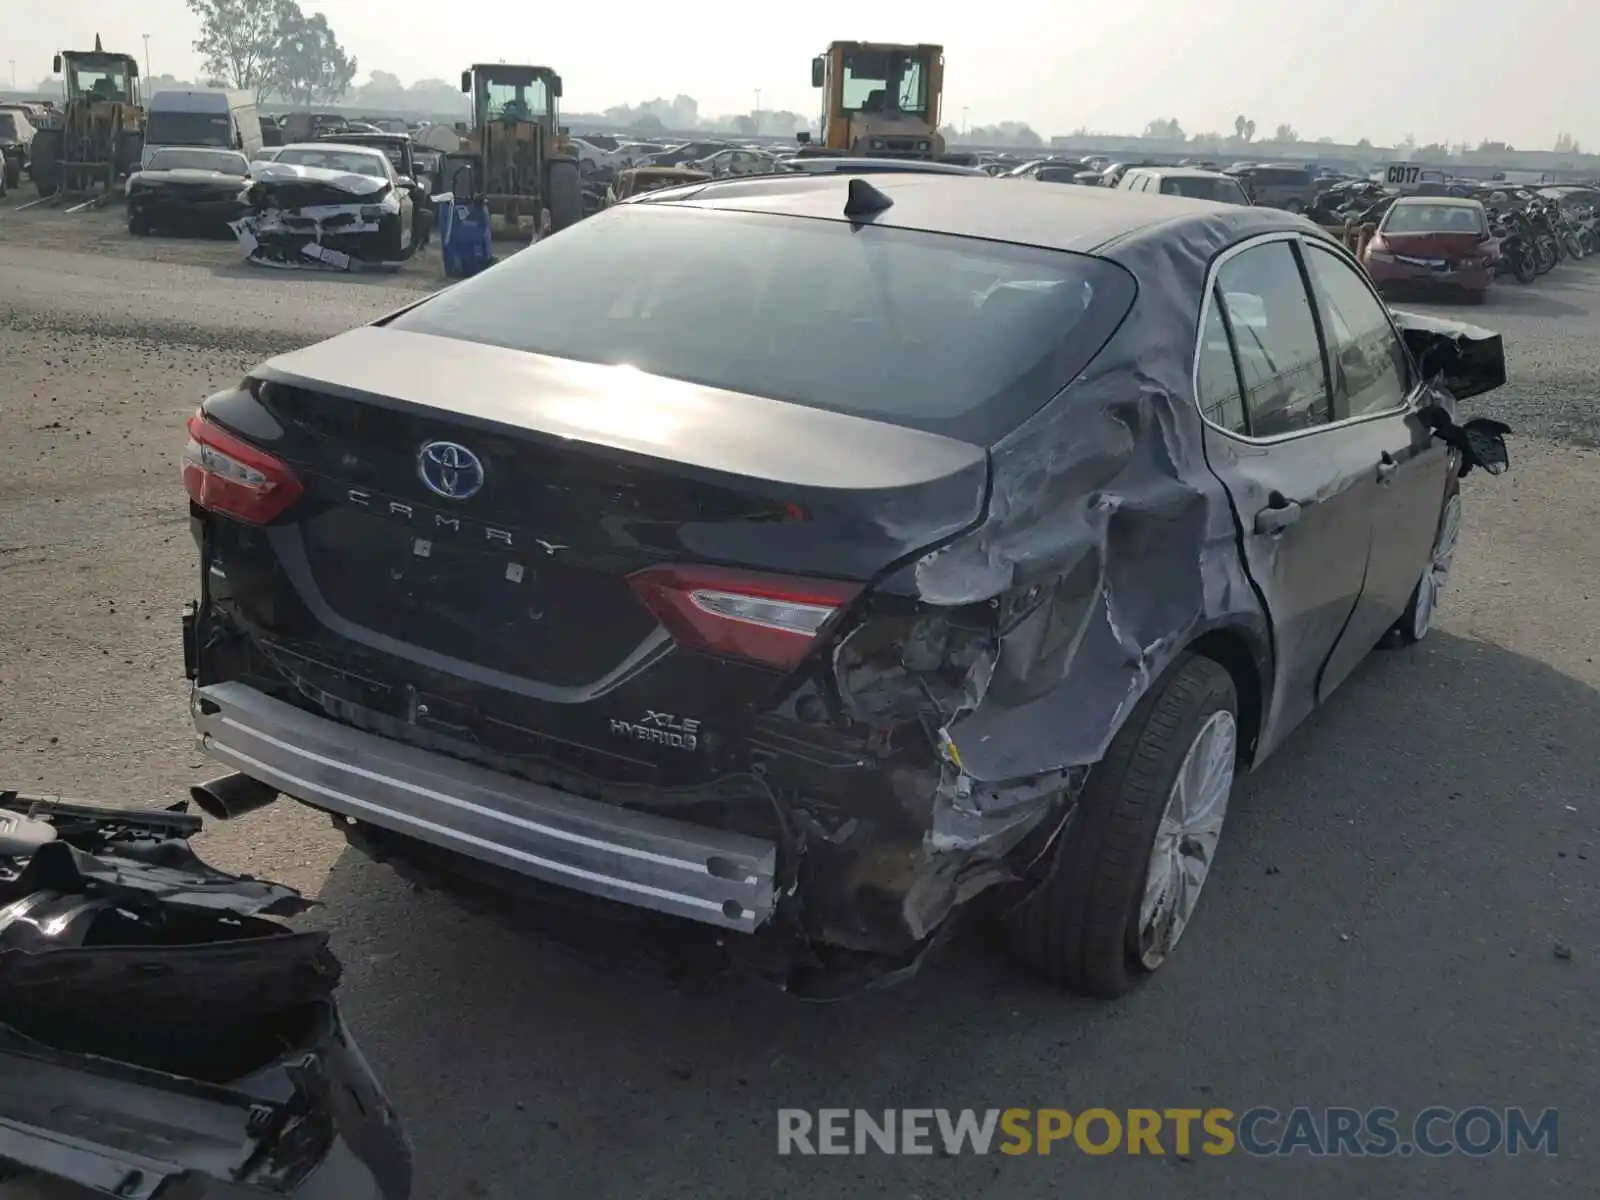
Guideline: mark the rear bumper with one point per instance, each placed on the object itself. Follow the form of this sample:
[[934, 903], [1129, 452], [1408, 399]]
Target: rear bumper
[[706, 875]]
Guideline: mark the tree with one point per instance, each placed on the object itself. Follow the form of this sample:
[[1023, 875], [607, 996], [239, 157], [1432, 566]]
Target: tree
[[239, 40], [1324, 141], [382, 83], [1363, 144], [647, 126], [1164, 129], [1285, 133], [311, 65], [1244, 128], [744, 125], [1566, 144]]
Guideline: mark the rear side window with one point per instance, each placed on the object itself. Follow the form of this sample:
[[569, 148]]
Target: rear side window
[[961, 337]]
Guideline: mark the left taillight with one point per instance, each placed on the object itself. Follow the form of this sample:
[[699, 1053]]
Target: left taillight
[[770, 619], [225, 474]]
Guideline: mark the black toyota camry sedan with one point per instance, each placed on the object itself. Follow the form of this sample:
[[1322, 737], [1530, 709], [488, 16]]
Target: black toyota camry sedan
[[808, 556]]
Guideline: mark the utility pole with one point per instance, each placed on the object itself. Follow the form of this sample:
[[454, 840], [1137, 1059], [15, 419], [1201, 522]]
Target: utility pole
[[146, 55], [13, 63], [758, 110], [963, 122]]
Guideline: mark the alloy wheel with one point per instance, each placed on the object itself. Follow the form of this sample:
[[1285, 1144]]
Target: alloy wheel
[[1186, 840]]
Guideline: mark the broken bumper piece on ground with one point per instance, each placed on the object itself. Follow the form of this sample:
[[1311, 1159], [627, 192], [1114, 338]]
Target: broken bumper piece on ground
[[160, 1035]]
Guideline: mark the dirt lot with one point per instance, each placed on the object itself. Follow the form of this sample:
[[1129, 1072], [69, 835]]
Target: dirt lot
[[1407, 912]]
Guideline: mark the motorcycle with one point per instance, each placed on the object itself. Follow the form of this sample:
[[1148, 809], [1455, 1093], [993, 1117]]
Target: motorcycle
[[1515, 253], [1547, 247]]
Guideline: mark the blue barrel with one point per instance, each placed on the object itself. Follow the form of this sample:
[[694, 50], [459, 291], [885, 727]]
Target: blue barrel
[[466, 241]]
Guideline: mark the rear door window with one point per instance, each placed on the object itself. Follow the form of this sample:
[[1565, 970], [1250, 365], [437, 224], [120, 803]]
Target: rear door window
[[957, 336], [1275, 334]]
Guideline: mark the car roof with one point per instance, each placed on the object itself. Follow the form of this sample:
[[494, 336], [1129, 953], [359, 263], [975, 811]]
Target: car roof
[[1440, 201], [333, 144], [1183, 172], [1001, 210], [844, 164]]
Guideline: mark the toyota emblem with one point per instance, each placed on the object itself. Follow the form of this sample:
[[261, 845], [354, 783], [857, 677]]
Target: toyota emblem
[[450, 470]]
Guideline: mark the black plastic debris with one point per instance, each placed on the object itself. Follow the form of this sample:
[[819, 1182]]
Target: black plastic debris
[[161, 1033]]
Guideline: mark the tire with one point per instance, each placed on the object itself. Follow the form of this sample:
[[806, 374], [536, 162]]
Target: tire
[[44, 161], [138, 226], [564, 196], [1525, 268], [1422, 609], [11, 176], [1082, 927]]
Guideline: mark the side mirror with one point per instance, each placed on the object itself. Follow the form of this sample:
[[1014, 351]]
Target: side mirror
[[55, 66], [555, 86], [803, 137], [1481, 441], [466, 83], [818, 69]]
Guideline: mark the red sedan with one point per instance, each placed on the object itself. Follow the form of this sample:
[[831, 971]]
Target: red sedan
[[1433, 243]]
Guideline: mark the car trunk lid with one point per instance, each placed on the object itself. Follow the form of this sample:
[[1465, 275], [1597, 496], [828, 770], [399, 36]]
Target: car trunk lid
[[570, 480], [1436, 247]]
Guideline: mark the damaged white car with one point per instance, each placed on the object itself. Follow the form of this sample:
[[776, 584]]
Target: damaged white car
[[327, 206]]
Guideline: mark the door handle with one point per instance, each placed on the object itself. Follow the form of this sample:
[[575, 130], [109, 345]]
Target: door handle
[[1275, 518], [1387, 466]]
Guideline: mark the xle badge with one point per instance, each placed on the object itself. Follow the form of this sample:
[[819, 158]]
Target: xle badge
[[661, 729]]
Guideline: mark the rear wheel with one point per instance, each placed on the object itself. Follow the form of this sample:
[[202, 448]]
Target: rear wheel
[[138, 226], [12, 175], [1525, 268], [1128, 871]]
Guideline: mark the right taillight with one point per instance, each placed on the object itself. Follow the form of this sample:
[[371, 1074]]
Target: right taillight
[[770, 619], [226, 474]]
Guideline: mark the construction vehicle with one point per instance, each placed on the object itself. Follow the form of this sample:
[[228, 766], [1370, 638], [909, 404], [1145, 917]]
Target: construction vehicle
[[98, 135], [515, 157], [880, 99]]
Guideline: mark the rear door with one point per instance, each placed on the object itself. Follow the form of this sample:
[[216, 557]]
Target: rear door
[[1301, 490], [1373, 394]]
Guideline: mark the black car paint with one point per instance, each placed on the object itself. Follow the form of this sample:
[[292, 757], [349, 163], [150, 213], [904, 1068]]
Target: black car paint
[[205, 1056], [185, 199], [950, 718]]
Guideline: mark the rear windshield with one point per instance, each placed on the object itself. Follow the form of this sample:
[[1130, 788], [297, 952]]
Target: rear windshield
[[1199, 187], [1433, 218], [961, 337]]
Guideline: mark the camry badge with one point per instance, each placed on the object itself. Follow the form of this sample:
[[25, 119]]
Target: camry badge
[[450, 470]]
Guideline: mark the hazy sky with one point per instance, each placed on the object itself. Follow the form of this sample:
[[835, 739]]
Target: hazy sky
[[1442, 70]]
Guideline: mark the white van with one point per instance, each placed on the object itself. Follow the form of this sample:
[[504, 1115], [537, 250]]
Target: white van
[[225, 120]]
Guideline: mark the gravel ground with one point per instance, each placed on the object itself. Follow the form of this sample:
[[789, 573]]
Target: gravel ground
[[1407, 910]]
